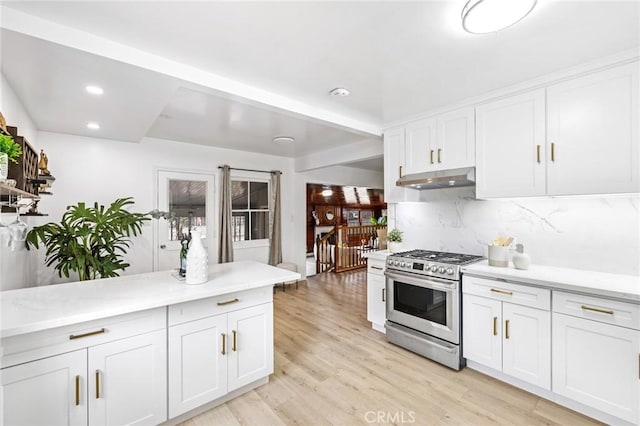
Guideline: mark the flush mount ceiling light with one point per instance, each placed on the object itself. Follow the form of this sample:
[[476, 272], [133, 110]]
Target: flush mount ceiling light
[[488, 16], [340, 91], [327, 192], [94, 90], [283, 139], [93, 126]]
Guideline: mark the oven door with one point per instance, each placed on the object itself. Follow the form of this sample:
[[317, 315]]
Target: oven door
[[426, 304]]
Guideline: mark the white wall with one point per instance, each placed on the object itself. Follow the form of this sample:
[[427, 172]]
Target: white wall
[[90, 169], [336, 175], [17, 269], [591, 233]]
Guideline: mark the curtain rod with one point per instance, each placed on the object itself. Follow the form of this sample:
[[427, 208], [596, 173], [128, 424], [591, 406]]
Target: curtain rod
[[252, 170]]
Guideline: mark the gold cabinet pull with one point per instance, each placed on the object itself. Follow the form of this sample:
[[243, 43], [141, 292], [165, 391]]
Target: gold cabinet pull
[[77, 390], [538, 153], [228, 302], [497, 290], [591, 308], [91, 333], [235, 340], [431, 156], [495, 326], [383, 291], [439, 152], [553, 151], [224, 344], [97, 384], [400, 171], [506, 329]]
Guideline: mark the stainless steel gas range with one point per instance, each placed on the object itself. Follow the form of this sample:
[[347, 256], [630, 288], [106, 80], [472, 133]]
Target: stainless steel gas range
[[423, 303]]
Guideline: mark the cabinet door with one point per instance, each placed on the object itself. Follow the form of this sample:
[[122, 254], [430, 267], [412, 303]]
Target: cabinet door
[[510, 143], [376, 301], [47, 392], [394, 167], [420, 146], [526, 347], [597, 364], [251, 345], [482, 331], [593, 133], [455, 137], [128, 381], [197, 363]]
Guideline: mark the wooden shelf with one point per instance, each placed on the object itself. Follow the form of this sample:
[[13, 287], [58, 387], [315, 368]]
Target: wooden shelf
[[10, 190]]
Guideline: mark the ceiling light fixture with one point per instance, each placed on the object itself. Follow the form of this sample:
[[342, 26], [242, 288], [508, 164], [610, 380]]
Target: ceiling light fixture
[[488, 16], [93, 126], [340, 91], [283, 139], [94, 90], [327, 192]]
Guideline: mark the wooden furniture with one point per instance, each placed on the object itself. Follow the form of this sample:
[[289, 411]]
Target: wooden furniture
[[27, 166]]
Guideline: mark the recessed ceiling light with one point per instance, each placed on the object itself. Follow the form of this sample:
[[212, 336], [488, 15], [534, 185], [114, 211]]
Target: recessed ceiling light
[[283, 139], [340, 91], [327, 192], [93, 126], [94, 90], [488, 16]]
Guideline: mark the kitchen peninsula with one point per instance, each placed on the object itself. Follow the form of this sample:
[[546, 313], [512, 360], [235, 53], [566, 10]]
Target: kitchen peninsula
[[83, 351]]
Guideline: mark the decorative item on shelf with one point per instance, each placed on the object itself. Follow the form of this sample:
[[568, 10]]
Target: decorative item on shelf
[[394, 240], [520, 258], [26, 167], [3, 125], [10, 151], [90, 241], [197, 261]]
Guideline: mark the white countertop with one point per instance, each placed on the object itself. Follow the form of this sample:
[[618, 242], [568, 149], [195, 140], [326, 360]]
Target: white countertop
[[617, 286], [378, 254], [38, 308]]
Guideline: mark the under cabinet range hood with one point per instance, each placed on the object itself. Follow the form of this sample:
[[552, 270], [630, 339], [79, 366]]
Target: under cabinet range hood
[[451, 178]]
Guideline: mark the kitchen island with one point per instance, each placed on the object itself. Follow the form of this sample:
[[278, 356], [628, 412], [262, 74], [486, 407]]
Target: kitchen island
[[145, 348]]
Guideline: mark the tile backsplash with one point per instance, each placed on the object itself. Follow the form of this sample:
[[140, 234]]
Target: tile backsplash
[[591, 233]]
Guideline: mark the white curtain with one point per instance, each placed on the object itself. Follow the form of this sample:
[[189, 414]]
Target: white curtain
[[225, 252], [275, 240]]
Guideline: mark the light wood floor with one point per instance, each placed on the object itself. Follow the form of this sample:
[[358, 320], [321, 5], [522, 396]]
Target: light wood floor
[[332, 368]]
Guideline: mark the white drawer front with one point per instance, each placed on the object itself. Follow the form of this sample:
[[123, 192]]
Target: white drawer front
[[190, 311], [32, 346], [525, 295], [597, 309], [375, 267]]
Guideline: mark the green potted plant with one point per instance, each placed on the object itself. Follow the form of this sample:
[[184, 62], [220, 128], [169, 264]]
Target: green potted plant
[[89, 240], [9, 151], [394, 240]]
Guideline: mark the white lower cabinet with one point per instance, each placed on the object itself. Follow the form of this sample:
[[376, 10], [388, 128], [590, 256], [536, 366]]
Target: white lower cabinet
[[116, 383], [597, 363], [46, 392], [376, 294], [212, 356], [508, 337], [128, 381]]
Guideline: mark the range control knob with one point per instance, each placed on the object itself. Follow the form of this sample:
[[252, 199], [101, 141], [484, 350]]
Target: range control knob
[[450, 271], [441, 269], [402, 264], [434, 268]]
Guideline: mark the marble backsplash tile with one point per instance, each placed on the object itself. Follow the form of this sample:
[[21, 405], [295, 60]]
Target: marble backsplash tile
[[591, 233]]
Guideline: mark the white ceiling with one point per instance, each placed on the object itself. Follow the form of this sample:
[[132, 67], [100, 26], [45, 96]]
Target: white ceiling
[[399, 59]]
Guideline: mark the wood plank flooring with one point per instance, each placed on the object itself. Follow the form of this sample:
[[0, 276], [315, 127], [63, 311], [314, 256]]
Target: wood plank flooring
[[331, 368]]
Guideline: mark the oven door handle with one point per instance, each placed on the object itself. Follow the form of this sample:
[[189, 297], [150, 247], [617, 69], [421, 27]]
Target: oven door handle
[[422, 281]]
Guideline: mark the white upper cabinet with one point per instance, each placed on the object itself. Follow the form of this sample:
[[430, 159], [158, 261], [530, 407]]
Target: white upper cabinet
[[393, 164], [511, 152], [592, 132], [455, 146], [420, 146], [446, 141]]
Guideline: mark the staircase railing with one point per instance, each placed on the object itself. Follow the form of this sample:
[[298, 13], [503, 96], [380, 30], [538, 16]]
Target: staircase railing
[[325, 252], [342, 248]]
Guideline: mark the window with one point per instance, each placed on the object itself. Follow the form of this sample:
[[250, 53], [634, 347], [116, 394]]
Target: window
[[187, 203], [250, 210]]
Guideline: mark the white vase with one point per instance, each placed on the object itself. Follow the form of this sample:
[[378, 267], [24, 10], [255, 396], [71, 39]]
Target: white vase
[[394, 246], [197, 261], [4, 166]]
